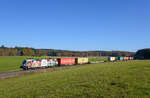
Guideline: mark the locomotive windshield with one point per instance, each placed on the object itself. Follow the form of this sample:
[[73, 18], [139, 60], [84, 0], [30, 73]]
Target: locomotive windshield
[[24, 62]]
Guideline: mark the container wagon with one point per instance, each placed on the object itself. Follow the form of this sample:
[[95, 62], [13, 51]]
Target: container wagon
[[111, 59], [125, 58], [130, 58], [116, 58], [120, 58], [66, 61], [81, 60]]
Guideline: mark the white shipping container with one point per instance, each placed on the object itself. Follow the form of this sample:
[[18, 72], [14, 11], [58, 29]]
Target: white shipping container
[[111, 58]]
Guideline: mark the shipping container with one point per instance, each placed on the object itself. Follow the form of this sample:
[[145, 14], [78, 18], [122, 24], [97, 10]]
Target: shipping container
[[130, 58], [111, 58], [125, 58], [120, 58], [81, 60], [66, 61]]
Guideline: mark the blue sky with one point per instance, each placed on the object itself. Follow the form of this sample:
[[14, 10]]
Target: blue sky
[[76, 24]]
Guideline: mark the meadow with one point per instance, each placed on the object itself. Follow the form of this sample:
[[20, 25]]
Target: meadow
[[128, 79], [98, 59], [8, 63]]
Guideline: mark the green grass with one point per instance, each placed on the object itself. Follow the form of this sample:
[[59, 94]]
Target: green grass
[[107, 80], [10, 63], [97, 59]]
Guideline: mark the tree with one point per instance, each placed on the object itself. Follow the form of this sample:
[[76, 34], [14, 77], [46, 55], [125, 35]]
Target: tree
[[27, 52], [3, 47], [1, 52], [13, 52]]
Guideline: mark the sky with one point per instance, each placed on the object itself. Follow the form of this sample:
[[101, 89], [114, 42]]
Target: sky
[[76, 24]]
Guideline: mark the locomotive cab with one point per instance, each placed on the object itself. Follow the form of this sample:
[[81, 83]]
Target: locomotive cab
[[24, 65]]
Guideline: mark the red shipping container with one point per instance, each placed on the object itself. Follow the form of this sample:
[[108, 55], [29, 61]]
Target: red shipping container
[[66, 61], [124, 58]]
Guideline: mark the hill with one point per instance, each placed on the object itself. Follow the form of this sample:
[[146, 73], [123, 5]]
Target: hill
[[143, 54]]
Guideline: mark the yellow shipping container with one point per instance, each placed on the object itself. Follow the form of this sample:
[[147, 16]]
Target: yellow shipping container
[[82, 60]]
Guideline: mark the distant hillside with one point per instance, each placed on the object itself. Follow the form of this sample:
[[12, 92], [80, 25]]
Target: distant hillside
[[25, 51], [143, 54]]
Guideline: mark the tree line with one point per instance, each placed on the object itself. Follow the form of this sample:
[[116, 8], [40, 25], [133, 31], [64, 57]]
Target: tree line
[[26, 51]]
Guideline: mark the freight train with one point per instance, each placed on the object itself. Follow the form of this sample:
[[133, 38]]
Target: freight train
[[112, 59], [45, 63], [51, 62]]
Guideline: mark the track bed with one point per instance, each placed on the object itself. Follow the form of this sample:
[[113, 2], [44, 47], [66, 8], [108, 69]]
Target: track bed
[[9, 74]]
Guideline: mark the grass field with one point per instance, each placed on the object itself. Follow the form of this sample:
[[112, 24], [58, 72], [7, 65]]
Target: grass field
[[9, 63], [97, 59], [106, 80]]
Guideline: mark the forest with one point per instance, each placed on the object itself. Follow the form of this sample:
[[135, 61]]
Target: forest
[[26, 51]]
